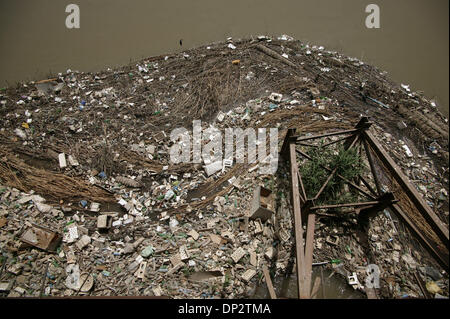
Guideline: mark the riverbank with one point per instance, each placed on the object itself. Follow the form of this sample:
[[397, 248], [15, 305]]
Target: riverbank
[[176, 230]]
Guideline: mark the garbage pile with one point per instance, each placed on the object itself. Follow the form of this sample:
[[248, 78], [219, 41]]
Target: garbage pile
[[92, 205]]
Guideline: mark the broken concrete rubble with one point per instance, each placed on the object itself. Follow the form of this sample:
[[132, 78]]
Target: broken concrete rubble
[[41, 237], [262, 204]]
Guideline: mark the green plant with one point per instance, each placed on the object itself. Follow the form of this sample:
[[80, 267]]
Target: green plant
[[227, 281], [347, 164], [187, 272]]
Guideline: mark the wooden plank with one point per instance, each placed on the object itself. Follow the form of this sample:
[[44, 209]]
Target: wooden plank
[[299, 248], [269, 282], [285, 147]]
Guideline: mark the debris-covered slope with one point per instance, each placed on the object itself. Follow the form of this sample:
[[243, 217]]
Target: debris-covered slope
[[87, 156]]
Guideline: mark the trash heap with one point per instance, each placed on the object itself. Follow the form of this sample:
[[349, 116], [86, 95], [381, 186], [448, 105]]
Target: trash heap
[[92, 205]]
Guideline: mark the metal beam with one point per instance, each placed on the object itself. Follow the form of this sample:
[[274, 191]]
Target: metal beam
[[422, 286], [366, 183], [301, 186], [440, 256], [372, 168], [300, 139], [297, 225], [285, 147], [269, 283], [384, 201], [325, 184], [309, 251], [345, 205], [337, 141], [429, 215]]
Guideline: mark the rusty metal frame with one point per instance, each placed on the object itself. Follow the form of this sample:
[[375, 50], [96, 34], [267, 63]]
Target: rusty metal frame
[[300, 264], [366, 183], [422, 286], [269, 283], [429, 215], [304, 208], [372, 168], [300, 139], [441, 257], [372, 203], [305, 211]]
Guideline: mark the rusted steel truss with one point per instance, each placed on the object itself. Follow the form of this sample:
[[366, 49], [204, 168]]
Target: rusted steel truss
[[305, 210]]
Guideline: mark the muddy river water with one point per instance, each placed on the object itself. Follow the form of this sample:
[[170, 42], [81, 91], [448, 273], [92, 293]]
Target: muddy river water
[[331, 286], [411, 43]]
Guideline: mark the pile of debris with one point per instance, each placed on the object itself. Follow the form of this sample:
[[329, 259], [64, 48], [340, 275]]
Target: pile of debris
[[92, 205]]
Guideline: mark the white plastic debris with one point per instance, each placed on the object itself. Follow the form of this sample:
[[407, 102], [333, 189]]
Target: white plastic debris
[[227, 163], [83, 242], [406, 87], [220, 117], [353, 281], [20, 133], [285, 37], [43, 208], [213, 168], [95, 207], [73, 161], [117, 223], [173, 223], [73, 279], [238, 254], [407, 151], [275, 97], [62, 160], [248, 275], [71, 235]]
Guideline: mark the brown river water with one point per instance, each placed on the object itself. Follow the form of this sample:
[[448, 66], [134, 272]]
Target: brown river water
[[411, 44]]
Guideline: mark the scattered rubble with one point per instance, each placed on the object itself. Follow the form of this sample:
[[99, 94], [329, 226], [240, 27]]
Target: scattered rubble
[[120, 219]]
